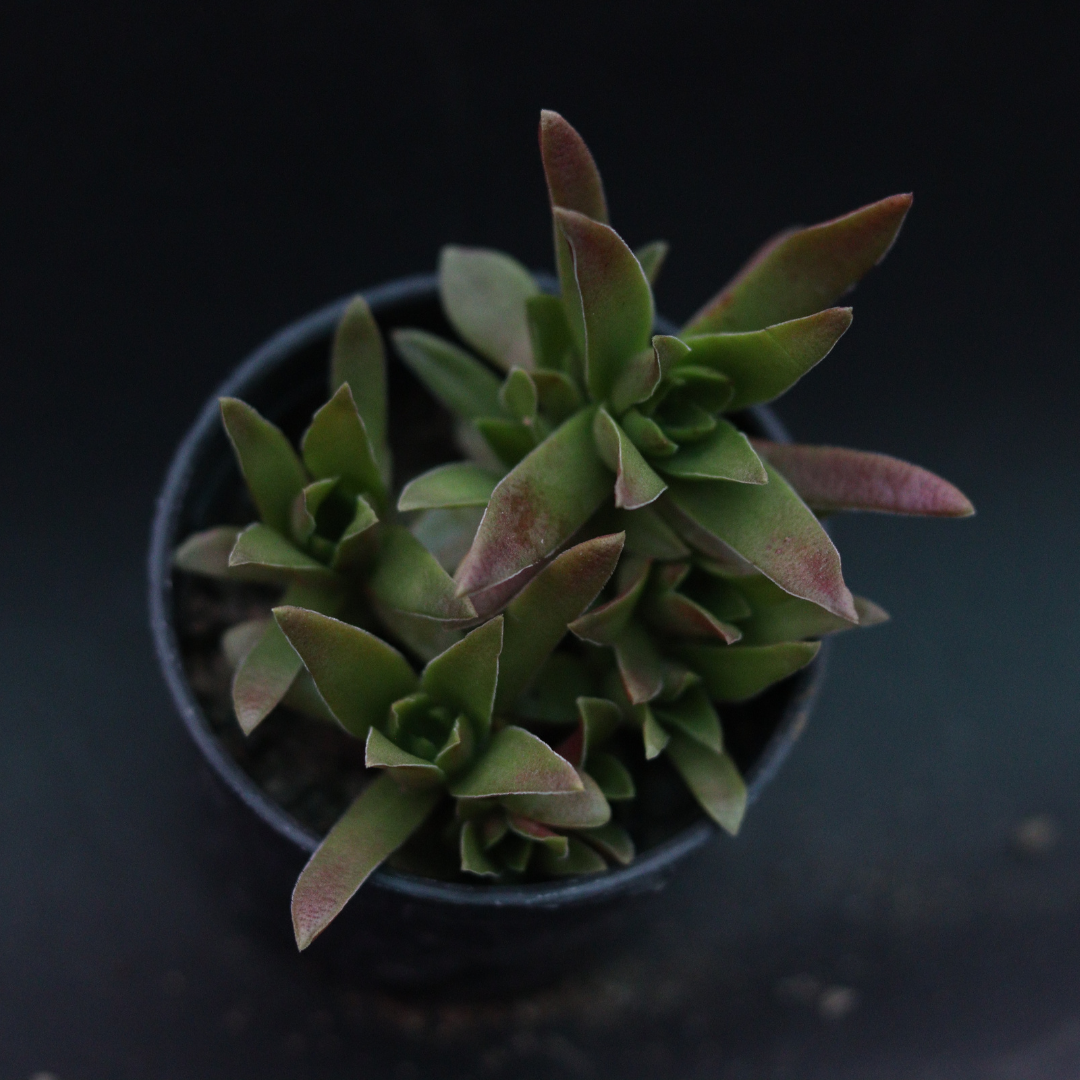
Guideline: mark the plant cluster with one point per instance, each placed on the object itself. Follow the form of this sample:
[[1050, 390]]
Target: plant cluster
[[613, 561]]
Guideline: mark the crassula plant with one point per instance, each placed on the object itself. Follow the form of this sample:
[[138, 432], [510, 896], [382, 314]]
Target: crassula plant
[[611, 561]]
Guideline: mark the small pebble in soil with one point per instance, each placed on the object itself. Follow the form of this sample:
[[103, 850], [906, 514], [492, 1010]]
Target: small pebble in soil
[[1034, 836]]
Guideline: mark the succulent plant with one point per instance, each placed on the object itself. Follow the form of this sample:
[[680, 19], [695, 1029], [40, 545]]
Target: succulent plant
[[626, 559]]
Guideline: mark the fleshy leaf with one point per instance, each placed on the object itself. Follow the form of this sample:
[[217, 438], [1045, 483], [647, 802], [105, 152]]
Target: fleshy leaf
[[511, 440], [738, 672], [804, 270], [407, 769], [484, 295], [306, 505], [549, 332], [515, 853], [263, 677], [517, 762], [448, 534], [518, 395], [537, 506], [653, 733], [208, 552], [464, 385], [777, 616], [461, 483], [641, 667], [272, 471], [723, 454], [652, 256], [357, 543], [407, 577], [830, 478], [713, 780], [584, 809], [259, 545], [695, 717], [636, 485], [647, 435], [604, 624], [459, 747], [649, 535], [579, 859], [762, 364], [464, 676], [552, 696], [558, 395], [670, 352], [380, 820], [304, 697], [538, 834], [612, 776], [676, 615], [336, 444], [638, 381], [685, 421], [358, 675], [616, 301], [357, 357], [772, 528], [474, 860]]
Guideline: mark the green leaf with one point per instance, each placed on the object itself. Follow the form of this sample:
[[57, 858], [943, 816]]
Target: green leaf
[[515, 853], [459, 747], [831, 478], [772, 528], [718, 595], [461, 483], [683, 421], [473, 858], [762, 364], [652, 257], [484, 295], [358, 358], [694, 716], [723, 454], [739, 672], [641, 667], [636, 485], [654, 735], [612, 841], [638, 381], [208, 552], [584, 809], [579, 859], [408, 770], [648, 535], [539, 834], [358, 676], [549, 332], [606, 623], [462, 383], [558, 395], [537, 506], [304, 697], [516, 762], [701, 386], [518, 395], [448, 534], [552, 695], [670, 352], [271, 469], [357, 543], [464, 676], [263, 677], [408, 578], [336, 444], [804, 270], [260, 546], [600, 719], [616, 301], [712, 779], [647, 435], [612, 776], [306, 506], [676, 615], [511, 440], [380, 820], [777, 616]]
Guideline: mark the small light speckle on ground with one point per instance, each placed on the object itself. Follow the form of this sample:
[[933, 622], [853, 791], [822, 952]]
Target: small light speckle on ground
[[1035, 836], [836, 1002]]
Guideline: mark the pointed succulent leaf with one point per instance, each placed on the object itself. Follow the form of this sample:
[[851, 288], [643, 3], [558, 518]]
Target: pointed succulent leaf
[[448, 533], [685, 421], [358, 357], [518, 395], [616, 301], [724, 454], [719, 596], [772, 528], [600, 718], [459, 748], [263, 677], [379, 821], [636, 484], [515, 853], [652, 256], [584, 809], [612, 841], [474, 859], [462, 383], [804, 270], [537, 506], [606, 623], [510, 440], [241, 638], [762, 364], [304, 697], [647, 435], [739, 672], [484, 295], [830, 478], [647, 534], [358, 676], [336, 444], [580, 858], [306, 505], [208, 552], [641, 667], [517, 762], [271, 469], [260, 546], [654, 735], [549, 333], [788, 618], [700, 386], [694, 715], [408, 578], [612, 776], [408, 770], [461, 483], [357, 543], [493, 828], [670, 352], [538, 834], [464, 676], [637, 382], [713, 780], [676, 615], [557, 394]]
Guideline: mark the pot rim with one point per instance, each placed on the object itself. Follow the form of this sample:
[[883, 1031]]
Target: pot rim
[[646, 872]]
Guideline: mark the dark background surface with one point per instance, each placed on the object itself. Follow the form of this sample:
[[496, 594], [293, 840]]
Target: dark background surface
[[177, 183]]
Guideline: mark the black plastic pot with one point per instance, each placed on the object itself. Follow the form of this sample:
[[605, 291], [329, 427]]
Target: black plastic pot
[[402, 929]]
